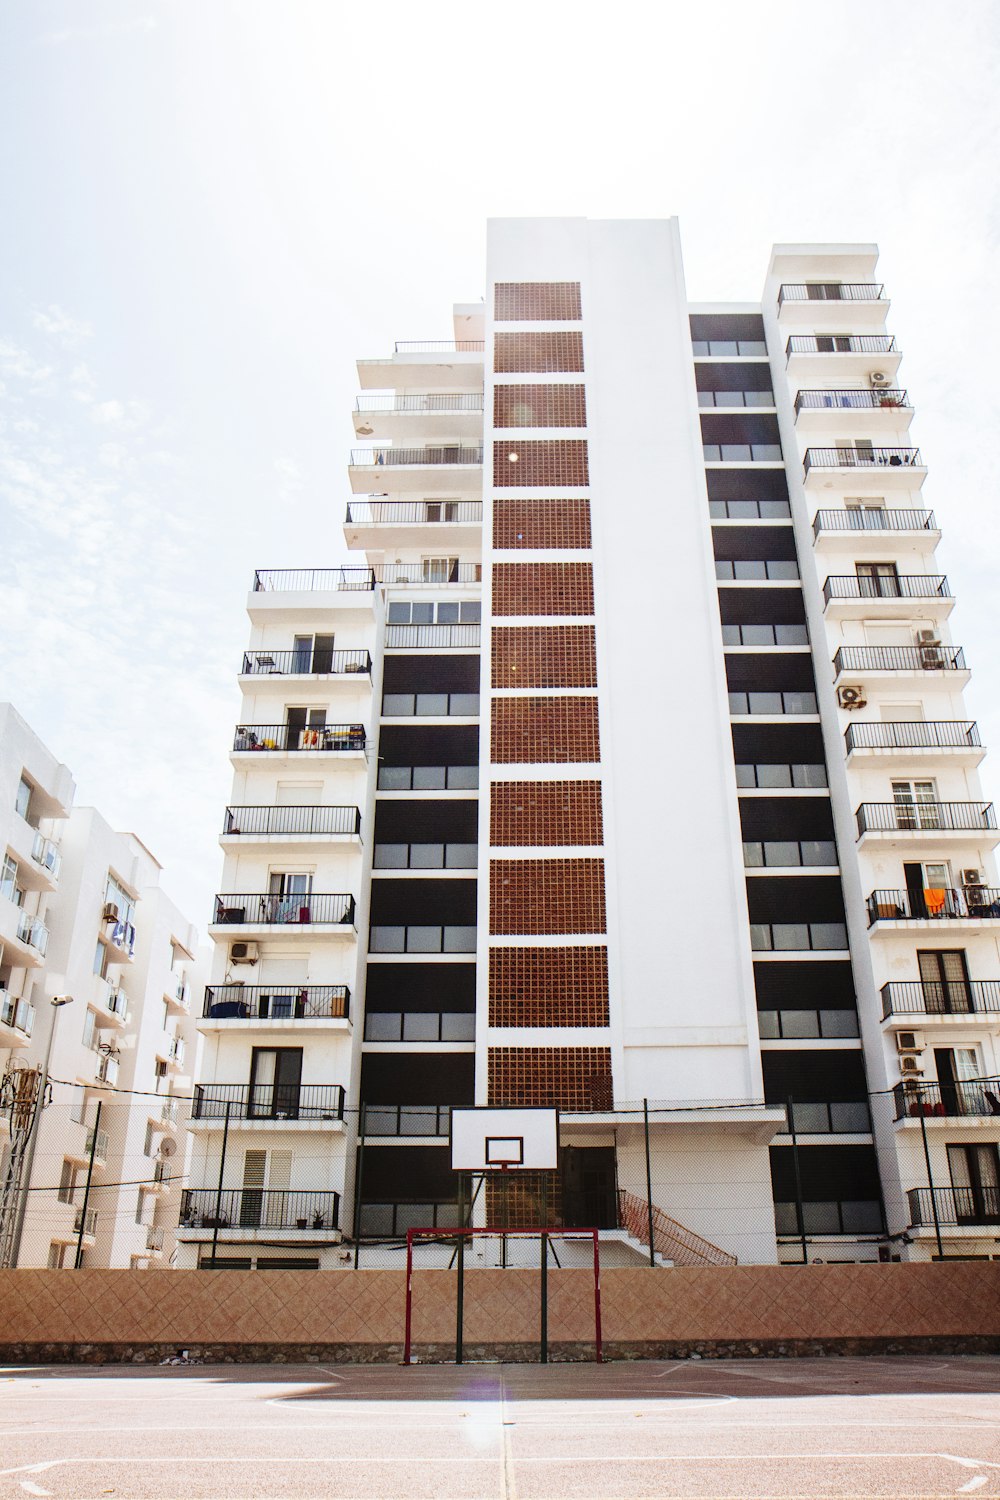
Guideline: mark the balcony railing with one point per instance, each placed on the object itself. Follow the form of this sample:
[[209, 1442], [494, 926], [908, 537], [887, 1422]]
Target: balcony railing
[[909, 817], [757, 854], [720, 348], [375, 458], [837, 1216], [268, 1101], [898, 586], [767, 777], [414, 512], [857, 458], [426, 856], [286, 738], [85, 1221], [428, 778], [954, 1205], [924, 734], [46, 854], [791, 937], [310, 580], [422, 401], [440, 346], [772, 703], [830, 291], [276, 1002], [735, 398], [429, 573], [848, 1117], [422, 939], [788, 1025], [841, 343], [390, 1221], [33, 931], [407, 1119], [313, 662], [431, 637], [262, 908], [899, 659], [293, 821], [874, 520], [954, 997], [978, 1097], [303, 1210], [420, 1026], [852, 400], [16, 1013], [765, 635], [741, 453], [430, 705], [937, 903]]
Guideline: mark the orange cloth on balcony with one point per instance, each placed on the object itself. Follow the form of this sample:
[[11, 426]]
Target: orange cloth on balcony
[[934, 899]]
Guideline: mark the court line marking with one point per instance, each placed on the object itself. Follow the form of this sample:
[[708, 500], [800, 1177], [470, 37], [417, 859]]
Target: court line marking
[[33, 1489], [973, 1484], [632, 1458]]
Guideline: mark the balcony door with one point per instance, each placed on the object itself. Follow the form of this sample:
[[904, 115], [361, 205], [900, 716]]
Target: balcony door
[[959, 1073], [867, 513], [266, 1178], [275, 1081], [300, 721], [288, 895], [877, 580], [929, 890], [975, 1183], [944, 980]]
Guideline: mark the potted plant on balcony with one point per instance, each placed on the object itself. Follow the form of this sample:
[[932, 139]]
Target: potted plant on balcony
[[318, 1219], [300, 1223]]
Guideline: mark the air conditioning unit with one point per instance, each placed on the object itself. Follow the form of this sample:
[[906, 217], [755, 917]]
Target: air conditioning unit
[[928, 638], [910, 1067], [931, 657], [909, 1041], [972, 877], [243, 953], [851, 697], [110, 913], [879, 377]]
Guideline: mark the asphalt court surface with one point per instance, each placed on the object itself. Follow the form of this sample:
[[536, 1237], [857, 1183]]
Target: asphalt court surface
[[761, 1429]]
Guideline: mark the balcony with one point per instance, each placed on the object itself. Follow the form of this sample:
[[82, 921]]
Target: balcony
[[806, 1025], [250, 1211], [154, 1240], [454, 414], [313, 580], [448, 469], [175, 1052], [854, 356], [46, 855], [430, 574], [315, 1104], [161, 1180], [33, 933], [756, 570], [106, 1068], [97, 1146], [967, 903], [430, 705], [432, 638], [305, 663], [797, 937], [430, 1026], [868, 470], [177, 993], [920, 596], [426, 856], [857, 530], [17, 1018], [766, 777], [285, 740], [812, 301], [741, 453], [848, 1217], [727, 400], [772, 705], [228, 1004], [422, 939], [919, 662], [872, 411], [428, 778], [959, 999], [422, 364], [413, 523], [953, 1206], [975, 1098], [729, 348], [112, 1004], [789, 854], [429, 1120], [294, 912], [847, 1117], [283, 825], [937, 819], [87, 1221], [392, 1220]]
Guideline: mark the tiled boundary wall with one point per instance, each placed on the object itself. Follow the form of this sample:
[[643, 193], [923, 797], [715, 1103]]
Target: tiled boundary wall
[[358, 1315]]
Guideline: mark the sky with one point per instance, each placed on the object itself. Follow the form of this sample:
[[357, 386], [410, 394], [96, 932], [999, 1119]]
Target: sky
[[211, 208]]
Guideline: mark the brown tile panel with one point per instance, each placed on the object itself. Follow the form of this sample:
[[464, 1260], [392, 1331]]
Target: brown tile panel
[[527, 463], [540, 813], [538, 353], [547, 895], [539, 406], [543, 656], [524, 1200], [541, 523], [537, 302], [544, 731], [570, 1078], [543, 588], [549, 987]]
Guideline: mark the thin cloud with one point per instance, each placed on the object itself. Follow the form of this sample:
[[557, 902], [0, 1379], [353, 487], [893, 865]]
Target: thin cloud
[[95, 33], [60, 326]]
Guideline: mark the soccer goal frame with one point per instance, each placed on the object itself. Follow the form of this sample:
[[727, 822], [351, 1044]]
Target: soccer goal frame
[[460, 1237]]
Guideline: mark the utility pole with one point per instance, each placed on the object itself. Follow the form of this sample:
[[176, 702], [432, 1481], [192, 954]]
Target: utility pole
[[15, 1204]]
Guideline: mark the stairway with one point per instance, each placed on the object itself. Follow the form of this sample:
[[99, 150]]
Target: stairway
[[671, 1241]]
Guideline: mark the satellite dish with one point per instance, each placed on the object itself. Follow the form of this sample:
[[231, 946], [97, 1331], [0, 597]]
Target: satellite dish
[[168, 1147]]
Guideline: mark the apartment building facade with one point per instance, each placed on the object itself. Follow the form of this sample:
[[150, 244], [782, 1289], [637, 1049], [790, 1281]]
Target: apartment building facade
[[97, 1002], [627, 767]]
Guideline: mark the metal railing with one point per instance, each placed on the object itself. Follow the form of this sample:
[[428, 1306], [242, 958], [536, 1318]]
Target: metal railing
[[741, 453], [828, 1117], [841, 343], [440, 346], [263, 908], [295, 821], [735, 398], [422, 401], [978, 1097], [830, 291], [304, 1210], [407, 1119], [765, 635], [749, 510], [899, 659], [311, 580], [797, 937], [431, 637], [858, 399], [312, 662], [846, 1216], [286, 738], [928, 997], [787, 1025], [896, 586], [367, 458], [777, 570], [953, 1205], [426, 856], [277, 1002], [33, 931], [866, 458], [390, 1221], [671, 1240], [719, 348], [268, 1101], [424, 573], [414, 512], [936, 903], [46, 854], [759, 854], [421, 938], [428, 778], [767, 777], [420, 1026], [909, 817], [874, 520], [16, 1013], [772, 703], [85, 1221], [430, 705], [923, 734]]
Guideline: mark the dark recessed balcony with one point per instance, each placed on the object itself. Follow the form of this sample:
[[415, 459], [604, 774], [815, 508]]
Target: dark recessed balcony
[[741, 453], [957, 997], [421, 938], [428, 778], [305, 662], [858, 520], [925, 817], [268, 1101], [978, 1098], [952, 1206], [407, 1119], [772, 704], [287, 911], [304, 1211], [758, 854], [937, 904], [426, 856], [797, 937], [313, 580], [894, 586], [276, 1002], [830, 291], [290, 739], [420, 1026], [880, 398], [291, 822], [859, 659], [828, 1117]]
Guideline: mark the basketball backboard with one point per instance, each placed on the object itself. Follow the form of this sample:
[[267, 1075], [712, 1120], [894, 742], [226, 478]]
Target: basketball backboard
[[504, 1139]]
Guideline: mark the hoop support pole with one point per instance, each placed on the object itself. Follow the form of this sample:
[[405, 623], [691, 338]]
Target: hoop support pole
[[409, 1296]]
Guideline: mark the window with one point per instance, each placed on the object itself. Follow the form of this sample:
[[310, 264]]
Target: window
[[944, 979], [441, 510], [877, 580], [275, 1077], [90, 1033], [22, 802], [147, 1148], [8, 881], [439, 569], [916, 804], [101, 959], [159, 1070], [67, 1182], [441, 612]]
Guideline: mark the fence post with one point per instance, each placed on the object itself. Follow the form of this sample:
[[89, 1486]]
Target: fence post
[[543, 1352], [930, 1178], [460, 1300], [649, 1183], [799, 1213], [358, 1182], [86, 1192], [218, 1195]]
